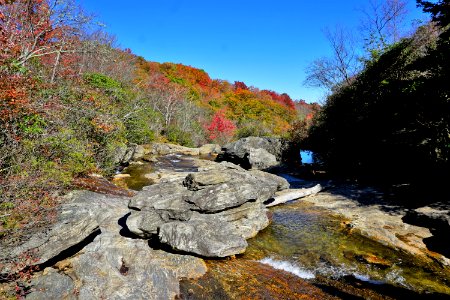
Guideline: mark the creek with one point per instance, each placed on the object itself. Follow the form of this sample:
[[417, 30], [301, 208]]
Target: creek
[[305, 251]]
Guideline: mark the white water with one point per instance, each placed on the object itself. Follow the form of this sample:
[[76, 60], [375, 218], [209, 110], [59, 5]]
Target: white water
[[288, 267], [366, 278], [334, 272]]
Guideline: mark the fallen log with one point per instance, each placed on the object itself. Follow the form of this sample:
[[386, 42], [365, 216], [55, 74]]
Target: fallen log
[[292, 194]]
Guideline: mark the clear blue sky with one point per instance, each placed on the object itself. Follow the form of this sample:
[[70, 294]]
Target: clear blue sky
[[266, 44]]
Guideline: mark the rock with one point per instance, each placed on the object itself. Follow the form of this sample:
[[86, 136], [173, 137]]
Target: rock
[[248, 219], [165, 176], [164, 149], [209, 239], [101, 185], [384, 225], [51, 285], [149, 158], [144, 224], [197, 181], [120, 153], [121, 176], [164, 196], [261, 159], [436, 217], [113, 265], [222, 196], [75, 223], [271, 179], [209, 149], [253, 152], [139, 152], [439, 211]]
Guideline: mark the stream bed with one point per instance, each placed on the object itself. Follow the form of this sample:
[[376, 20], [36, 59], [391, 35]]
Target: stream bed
[[306, 252]]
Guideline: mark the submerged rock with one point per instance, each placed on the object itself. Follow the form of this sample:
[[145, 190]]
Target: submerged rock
[[379, 222]]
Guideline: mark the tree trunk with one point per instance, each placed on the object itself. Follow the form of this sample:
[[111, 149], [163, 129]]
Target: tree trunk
[[55, 66], [292, 194]]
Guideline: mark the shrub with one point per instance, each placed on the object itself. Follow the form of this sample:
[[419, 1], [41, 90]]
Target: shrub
[[177, 136], [141, 127], [110, 86]]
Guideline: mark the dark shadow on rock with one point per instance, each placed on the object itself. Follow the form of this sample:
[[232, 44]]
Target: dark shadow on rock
[[242, 162], [438, 227], [334, 291], [392, 291], [69, 252], [349, 287], [125, 232], [156, 244]]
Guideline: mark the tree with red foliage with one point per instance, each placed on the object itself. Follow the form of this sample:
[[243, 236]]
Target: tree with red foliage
[[40, 28], [284, 98], [220, 130], [240, 85]]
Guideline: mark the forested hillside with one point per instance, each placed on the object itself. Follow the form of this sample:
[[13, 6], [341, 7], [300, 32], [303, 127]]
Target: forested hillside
[[390, 121], [71, 101]]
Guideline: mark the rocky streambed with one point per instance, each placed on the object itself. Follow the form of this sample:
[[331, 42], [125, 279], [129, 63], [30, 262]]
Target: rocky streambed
[[188, 216]]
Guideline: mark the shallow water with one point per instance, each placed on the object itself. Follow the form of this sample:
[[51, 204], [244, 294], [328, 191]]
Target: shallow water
[[315, 242], [137, 171]]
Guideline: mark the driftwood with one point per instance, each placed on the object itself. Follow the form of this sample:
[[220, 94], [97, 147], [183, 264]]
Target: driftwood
[[292, 194]]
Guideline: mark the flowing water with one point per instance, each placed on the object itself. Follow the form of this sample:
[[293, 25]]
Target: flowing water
[[309, 242], [307, 253]]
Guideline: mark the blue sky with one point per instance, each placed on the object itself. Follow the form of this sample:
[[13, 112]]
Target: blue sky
[[266, 44]]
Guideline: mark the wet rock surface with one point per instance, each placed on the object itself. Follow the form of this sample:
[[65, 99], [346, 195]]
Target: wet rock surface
[[382, 221], [246, 279]]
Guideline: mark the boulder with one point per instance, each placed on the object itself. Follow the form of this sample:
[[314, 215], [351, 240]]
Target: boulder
[[253, 152], [248, 219], [215, 238], [208, 213], [224, 196], [197, 181], [261, 159], [76, 222], [139, 152], [144, 224]]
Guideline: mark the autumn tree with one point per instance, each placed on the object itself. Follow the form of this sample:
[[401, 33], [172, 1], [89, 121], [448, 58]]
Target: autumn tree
[[36, 28], [240, 85], [220, 129]]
